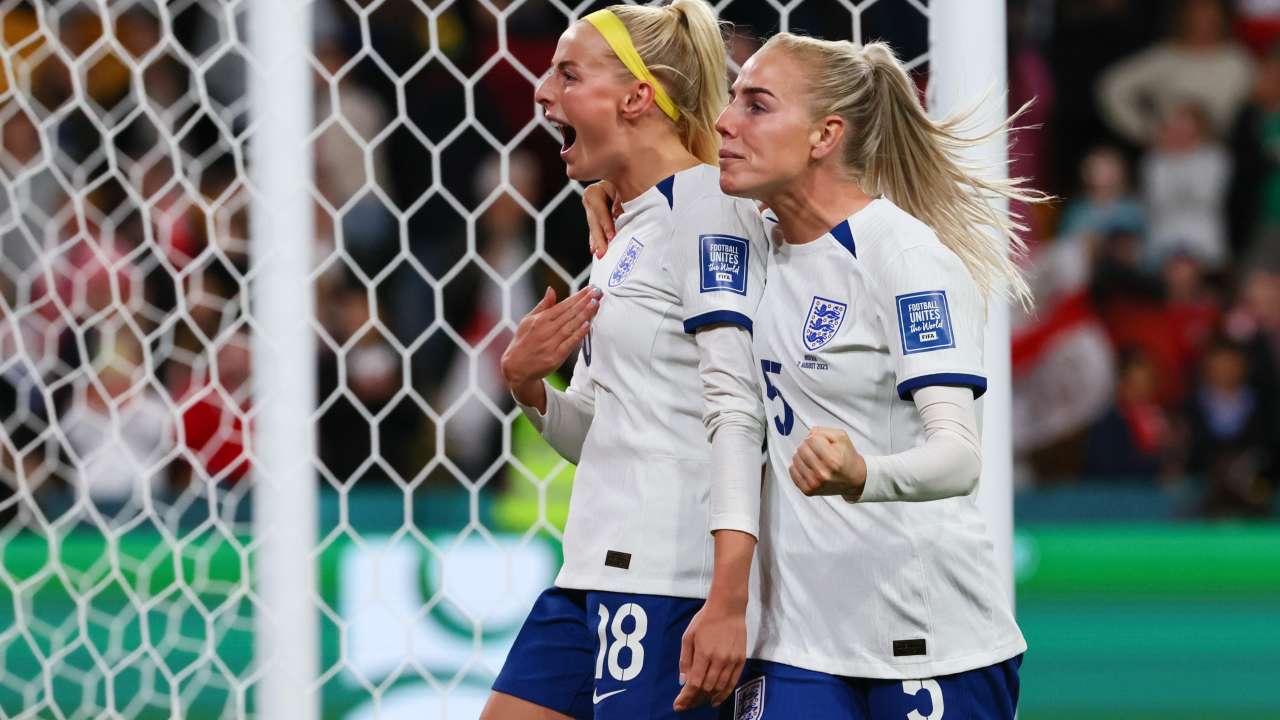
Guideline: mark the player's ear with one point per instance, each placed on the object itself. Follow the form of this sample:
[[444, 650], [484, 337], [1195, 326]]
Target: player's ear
[[637, 100], [825, 137]]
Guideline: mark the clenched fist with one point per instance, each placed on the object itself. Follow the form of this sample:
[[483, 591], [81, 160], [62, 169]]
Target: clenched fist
[[826, 463]]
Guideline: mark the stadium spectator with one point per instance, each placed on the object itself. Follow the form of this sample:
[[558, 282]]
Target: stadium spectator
[[35, 196], [366, 374], [138, 31], [117, 430], [24, 415], [226, 201], [1255, 323], [1157, 280], [215, 405], [1230, 435], [368, 228], [1130, 441], [1255, 145], [1200, 64], [1185, 176], [345, 437], [505, 242], [1131, 305], [1107, 201], [1192, 307], [174, 218], [1085, 38], [1258, 23]]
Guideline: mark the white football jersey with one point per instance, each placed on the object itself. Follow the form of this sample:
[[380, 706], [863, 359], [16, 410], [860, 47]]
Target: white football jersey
[[685, 256], [850, 325]]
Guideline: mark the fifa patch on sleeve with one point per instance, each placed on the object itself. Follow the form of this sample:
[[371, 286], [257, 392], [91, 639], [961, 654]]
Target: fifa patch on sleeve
[[925, 322], [724, 263]]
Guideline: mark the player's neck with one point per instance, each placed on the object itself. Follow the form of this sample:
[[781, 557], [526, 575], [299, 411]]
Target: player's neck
[[814, 203], [650, 161]]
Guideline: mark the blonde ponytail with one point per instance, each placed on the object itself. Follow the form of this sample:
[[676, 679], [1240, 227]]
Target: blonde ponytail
[[893, 147], [683, 46]]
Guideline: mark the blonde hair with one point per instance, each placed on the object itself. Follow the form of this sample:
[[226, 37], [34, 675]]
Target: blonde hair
[[683, 46], [891, 146]]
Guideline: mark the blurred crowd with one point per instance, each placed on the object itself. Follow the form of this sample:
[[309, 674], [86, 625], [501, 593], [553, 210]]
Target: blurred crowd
[[1152, 354]]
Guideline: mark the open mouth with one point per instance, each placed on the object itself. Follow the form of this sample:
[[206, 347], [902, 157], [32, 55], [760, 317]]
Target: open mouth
[[569, 135]]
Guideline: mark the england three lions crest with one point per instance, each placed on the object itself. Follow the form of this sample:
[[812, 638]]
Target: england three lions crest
[[626, 263], [748, 700], [825, 318]]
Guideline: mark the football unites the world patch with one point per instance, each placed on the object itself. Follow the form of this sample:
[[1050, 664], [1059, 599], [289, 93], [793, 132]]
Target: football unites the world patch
[[925, 322], [724, 263], [824, 319], [626, 263], [748, 700]]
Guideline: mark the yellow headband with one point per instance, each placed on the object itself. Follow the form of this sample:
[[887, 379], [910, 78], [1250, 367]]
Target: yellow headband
[[615, 33]]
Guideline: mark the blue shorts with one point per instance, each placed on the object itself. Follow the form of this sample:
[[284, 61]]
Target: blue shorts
[[773, 690], [601, 655]]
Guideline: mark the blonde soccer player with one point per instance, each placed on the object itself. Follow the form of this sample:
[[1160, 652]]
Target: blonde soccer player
[[663, 415], [877, 590]]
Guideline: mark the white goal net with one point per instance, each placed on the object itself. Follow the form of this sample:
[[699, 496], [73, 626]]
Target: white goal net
[[128, 451]]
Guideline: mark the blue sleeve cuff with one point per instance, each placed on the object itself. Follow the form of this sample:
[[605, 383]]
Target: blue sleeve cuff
[[976, 382], [717, 316]]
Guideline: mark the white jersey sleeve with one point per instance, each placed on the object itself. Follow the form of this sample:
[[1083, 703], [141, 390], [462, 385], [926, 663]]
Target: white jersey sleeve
[[947, 464], [718, 265], [569, 413], [720, 259], [734, 417], [934, 318]]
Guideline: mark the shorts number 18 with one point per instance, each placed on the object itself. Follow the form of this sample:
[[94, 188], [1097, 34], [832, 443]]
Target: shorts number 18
[[629, 640]]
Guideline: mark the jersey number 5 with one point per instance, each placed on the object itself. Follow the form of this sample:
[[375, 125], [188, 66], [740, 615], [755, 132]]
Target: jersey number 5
[[788, 419], [933, 689]]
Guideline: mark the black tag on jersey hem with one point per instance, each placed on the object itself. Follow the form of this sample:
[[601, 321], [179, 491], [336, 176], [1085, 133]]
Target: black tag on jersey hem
[[907, 648], [615, 559]]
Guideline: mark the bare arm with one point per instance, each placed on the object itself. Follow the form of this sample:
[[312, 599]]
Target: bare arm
[[714, 649]]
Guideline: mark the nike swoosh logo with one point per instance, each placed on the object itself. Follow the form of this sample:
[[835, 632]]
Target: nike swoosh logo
[[595, 699]]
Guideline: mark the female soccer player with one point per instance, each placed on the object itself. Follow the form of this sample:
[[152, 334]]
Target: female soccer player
[[877, 592], [646, 600]]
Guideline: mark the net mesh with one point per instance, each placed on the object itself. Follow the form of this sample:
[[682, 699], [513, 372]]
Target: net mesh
[[126, 452]]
